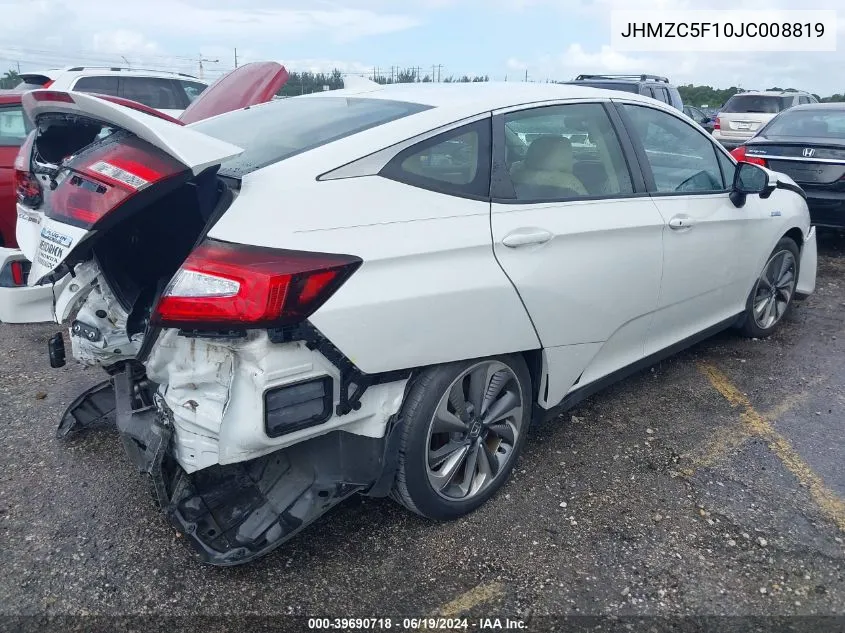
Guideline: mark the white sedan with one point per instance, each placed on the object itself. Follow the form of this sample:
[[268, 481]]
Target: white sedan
[[376, 290]]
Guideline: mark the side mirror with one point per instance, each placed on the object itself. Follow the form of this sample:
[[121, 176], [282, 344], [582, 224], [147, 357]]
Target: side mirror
[[749, 179]]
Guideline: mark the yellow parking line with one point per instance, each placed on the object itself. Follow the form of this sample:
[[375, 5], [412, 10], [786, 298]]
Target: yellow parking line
[[473, 597], [827, 500]]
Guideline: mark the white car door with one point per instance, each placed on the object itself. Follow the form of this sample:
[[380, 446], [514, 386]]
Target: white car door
[[578, 236], [708, 241]]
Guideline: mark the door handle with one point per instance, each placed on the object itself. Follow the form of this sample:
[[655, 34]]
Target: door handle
[[526, 237], [681, 222]]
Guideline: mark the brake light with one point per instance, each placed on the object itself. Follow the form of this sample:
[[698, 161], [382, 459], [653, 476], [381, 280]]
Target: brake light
[[223, 285], [51, 95], [718, 124], [105, 177], [49, 83], [741, 156], [18, 277], [14, 274], [27, 188]]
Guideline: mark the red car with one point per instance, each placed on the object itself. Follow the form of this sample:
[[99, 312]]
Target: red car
[[13, 131]]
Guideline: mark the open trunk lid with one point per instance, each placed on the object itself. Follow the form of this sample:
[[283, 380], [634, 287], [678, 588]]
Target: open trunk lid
[[137, 154]]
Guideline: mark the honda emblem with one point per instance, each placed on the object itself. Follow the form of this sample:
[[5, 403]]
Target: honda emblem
[[808, 152]]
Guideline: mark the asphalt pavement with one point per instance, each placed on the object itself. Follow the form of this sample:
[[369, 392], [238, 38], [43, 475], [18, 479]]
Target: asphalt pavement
[[710, 484]]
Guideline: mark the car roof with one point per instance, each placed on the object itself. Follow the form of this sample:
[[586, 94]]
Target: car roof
[[478, 96], [53, 73], [770, 93], [817, 106]]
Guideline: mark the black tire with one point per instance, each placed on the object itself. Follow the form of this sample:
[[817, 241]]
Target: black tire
[[749, 326], [412, 487]]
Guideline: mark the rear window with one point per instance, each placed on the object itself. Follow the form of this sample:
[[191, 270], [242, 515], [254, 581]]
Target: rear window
[[756, 104], [808, 123], [14, 126], [284, 128], [609, 85]]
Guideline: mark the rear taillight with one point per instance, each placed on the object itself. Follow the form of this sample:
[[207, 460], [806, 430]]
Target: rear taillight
[[27, 188], [14, 274], [717, 125], [18, 277], [741, 156], [223, 285], [100, 180]]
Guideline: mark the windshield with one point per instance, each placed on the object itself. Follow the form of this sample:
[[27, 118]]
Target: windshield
[[284, 128], [808, 123], [763, 104]]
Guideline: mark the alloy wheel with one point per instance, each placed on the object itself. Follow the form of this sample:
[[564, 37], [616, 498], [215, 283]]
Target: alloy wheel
[[774, 290], [474, 430]]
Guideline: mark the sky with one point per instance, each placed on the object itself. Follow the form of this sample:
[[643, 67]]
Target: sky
[[548, 39]]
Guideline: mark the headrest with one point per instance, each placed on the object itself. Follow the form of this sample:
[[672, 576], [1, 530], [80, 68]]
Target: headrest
[[549, 153]]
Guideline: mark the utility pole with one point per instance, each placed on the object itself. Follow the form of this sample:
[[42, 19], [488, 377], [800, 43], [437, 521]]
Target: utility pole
[[203, 59], [526, 74], [236, 57], [438, 66]]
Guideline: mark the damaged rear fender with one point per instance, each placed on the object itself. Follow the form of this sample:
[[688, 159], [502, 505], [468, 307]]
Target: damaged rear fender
[[234, 513], [215, 389]]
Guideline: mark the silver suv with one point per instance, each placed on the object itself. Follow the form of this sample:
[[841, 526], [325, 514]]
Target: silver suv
[[746, 112], [165, 91]]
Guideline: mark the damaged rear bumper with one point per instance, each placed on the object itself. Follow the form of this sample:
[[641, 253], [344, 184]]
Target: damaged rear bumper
[[234, 513]]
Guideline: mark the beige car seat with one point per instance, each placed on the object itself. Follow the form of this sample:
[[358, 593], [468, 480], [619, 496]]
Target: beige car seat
[[548, 163]]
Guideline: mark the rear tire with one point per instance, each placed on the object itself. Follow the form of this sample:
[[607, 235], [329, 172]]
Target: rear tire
[[464, 425], [773, 292]]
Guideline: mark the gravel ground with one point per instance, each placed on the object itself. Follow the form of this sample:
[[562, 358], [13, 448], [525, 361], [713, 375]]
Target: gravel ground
[[710, 484]]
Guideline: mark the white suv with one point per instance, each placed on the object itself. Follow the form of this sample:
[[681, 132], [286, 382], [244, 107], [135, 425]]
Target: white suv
[[746, 112], [165, 91]]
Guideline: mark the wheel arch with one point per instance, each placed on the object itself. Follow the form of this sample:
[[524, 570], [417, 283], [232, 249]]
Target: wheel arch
[[796, 235]]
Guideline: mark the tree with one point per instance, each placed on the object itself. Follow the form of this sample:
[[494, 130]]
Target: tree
[[10, 79]]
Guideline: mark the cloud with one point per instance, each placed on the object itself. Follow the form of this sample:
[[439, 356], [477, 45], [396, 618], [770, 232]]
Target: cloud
[[122, 42]]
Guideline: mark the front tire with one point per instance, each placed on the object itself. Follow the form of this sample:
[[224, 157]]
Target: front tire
[[772, 294], [464, 426]]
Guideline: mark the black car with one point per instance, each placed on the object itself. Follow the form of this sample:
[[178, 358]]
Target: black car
[[807, 143], [700, 117], [652, 86]]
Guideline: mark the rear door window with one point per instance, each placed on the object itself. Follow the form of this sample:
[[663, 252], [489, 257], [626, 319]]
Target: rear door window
[[568, 152], [14, 126], [156, 92], [660, 94], [97, 85]]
